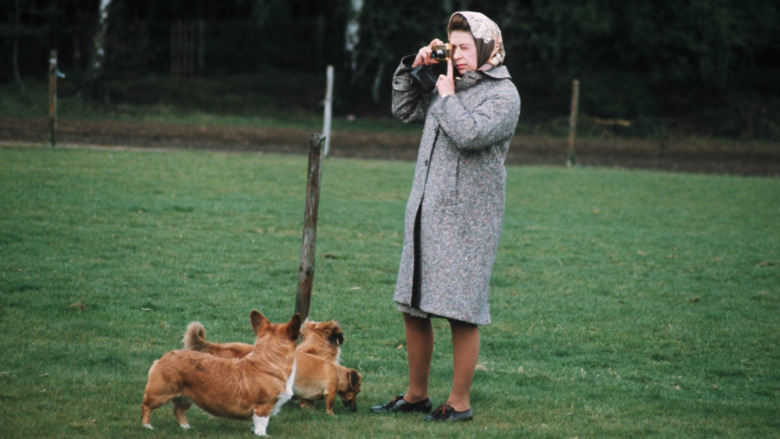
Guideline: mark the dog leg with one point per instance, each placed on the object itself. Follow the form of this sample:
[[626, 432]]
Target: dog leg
[[157, 392], [180, 407], [260, 424], [288, 391], [283, 398], [146, 411], [330, 398], [147, 406]]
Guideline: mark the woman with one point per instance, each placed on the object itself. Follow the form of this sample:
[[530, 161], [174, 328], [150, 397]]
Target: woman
[[455, 210]]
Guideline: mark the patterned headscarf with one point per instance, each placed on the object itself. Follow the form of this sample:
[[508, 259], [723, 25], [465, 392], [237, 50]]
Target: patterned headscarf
[[487, 36]]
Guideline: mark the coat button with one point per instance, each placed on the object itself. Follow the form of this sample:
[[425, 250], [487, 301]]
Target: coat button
[[426, 163]]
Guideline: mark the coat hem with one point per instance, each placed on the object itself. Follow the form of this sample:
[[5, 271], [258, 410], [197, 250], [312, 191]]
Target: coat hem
[[417, 312]]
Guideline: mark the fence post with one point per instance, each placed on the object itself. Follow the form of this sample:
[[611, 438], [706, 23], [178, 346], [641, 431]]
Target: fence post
[[53, 98], [575, 98], [328, 109], [306, 267]]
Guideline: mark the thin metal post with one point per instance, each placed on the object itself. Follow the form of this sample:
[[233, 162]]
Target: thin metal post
[[53, 98], [306, 267], [575, 98]]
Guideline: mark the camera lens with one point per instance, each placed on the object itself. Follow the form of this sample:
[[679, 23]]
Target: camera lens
[[441, 52]]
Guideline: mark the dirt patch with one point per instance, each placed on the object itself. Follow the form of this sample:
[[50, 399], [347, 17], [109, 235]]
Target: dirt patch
[[701, 156]]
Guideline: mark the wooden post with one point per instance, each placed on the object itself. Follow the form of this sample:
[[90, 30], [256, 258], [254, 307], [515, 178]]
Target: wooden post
[[328, 109], [575, 98], [53, 98], [306, 267]]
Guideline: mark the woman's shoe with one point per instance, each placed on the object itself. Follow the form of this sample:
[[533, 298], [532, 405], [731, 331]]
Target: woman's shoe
[[448, 414], [399, 405]]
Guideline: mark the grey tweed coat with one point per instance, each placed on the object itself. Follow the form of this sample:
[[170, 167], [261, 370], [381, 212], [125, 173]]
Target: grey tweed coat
[[459, 183]]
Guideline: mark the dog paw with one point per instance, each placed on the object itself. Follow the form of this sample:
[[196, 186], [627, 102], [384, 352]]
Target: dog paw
[[259, 424], [148, 426], [185, 426]]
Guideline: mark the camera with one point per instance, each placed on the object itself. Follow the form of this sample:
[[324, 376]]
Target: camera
[[425, 77], [441, 52]]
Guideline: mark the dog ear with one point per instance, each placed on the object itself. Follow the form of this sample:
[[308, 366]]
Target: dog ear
[[258, 321], [354, 380], [294, 327]]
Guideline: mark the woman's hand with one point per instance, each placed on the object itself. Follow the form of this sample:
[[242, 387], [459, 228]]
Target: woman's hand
[[424, 54], [446, 83]]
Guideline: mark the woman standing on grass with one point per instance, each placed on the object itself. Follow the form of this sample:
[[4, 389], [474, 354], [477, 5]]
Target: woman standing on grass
[[455, 210]]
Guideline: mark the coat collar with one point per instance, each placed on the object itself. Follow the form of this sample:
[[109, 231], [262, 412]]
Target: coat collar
[[473, 77]]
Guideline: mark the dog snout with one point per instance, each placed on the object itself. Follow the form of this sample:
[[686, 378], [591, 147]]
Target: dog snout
[[351, 404]]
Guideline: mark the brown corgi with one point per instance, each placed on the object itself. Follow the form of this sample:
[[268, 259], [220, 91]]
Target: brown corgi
[[252, 387], [317, 378]]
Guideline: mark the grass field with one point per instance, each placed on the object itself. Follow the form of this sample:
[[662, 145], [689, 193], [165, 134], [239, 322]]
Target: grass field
[[625, 303]]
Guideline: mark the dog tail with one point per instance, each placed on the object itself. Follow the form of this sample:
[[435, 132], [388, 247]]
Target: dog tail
[[195, 337]]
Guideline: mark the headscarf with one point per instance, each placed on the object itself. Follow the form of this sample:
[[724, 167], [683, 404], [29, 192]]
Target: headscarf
[[487, 36]]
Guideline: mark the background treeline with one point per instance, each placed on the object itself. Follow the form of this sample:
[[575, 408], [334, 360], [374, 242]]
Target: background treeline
[[701, 66]]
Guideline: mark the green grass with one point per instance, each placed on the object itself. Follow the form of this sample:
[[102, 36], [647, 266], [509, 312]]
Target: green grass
[[625, 303]]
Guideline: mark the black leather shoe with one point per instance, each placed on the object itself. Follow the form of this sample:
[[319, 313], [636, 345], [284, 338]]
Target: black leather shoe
[[449, 414], [399, 405]]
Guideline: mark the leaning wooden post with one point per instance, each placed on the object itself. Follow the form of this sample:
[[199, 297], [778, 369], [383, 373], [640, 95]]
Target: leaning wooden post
[[53, 98], [306, 267], [575, 98]]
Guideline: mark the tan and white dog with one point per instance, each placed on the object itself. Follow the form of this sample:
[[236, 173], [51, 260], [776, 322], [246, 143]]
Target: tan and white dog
[[318, 375], [251, 387]]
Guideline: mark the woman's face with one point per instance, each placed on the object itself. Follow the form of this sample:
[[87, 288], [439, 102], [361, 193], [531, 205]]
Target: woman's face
[[464, 51]]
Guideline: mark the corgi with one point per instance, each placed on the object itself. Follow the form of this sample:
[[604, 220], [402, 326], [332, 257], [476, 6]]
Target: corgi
[[323, 339], [252, 387], [318, 374], [317, 379]]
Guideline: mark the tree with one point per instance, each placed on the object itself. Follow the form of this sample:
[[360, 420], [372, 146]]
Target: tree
[[17, 21], [26, 19], [94, 77]]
